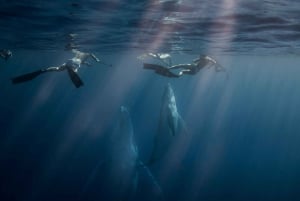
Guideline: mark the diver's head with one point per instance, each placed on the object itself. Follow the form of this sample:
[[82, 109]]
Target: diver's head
[[7, 54]]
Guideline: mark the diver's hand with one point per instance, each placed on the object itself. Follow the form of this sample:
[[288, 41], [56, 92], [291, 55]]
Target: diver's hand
[[87, 63]]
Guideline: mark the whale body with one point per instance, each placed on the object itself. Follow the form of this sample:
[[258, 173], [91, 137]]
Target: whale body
[[125, 172], [170, 125]]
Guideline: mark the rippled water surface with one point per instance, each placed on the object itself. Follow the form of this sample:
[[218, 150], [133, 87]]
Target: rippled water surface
[[222, 26]]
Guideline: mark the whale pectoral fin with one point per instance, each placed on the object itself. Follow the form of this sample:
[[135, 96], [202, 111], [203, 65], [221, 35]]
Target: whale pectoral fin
[[154, 155], [182, 126], [172, 131], [171, 125], [134, 187], [151, 179], [92, 177]]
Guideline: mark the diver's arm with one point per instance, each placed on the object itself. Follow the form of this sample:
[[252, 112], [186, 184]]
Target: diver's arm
[[95, 58], [80, 55], [211, 60], [210, 65], [219, 68]]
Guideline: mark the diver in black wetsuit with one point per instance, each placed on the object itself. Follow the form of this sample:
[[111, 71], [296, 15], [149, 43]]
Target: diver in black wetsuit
[[191, 69], [72, 66], [197, 65], [5, 54]]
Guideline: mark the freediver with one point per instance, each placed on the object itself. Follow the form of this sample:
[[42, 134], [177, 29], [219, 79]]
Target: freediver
[[5, 54], [197, 65], [72, 66], [189, 68]]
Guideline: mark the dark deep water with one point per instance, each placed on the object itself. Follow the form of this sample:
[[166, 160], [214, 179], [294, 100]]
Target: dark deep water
[[243, 142]]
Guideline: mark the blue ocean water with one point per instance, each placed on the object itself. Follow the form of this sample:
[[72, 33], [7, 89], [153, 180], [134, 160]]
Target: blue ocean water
[[243, 140]]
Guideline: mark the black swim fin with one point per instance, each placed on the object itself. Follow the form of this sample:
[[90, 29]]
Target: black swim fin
[[26, 77], [75, 78]]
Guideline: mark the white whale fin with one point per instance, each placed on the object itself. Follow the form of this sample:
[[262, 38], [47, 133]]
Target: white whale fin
[[153, 180], [182, 128]]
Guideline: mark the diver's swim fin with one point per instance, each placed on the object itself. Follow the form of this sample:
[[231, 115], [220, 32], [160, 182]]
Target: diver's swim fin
[[26, 77], [75, 78]]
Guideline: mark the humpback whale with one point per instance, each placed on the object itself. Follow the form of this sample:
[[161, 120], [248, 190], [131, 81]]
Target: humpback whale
[[171, 125], [123, 173]]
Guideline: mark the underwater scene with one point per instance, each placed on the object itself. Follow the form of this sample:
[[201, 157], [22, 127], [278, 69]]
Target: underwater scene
[[150, 100]]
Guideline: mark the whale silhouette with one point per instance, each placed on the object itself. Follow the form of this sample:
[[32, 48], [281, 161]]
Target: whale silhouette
[[170, 125]]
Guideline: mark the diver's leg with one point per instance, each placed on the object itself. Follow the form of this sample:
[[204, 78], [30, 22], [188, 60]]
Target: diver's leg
[[184, 71], [71, 71], [54, 68], [74, 77], [183, 66]]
